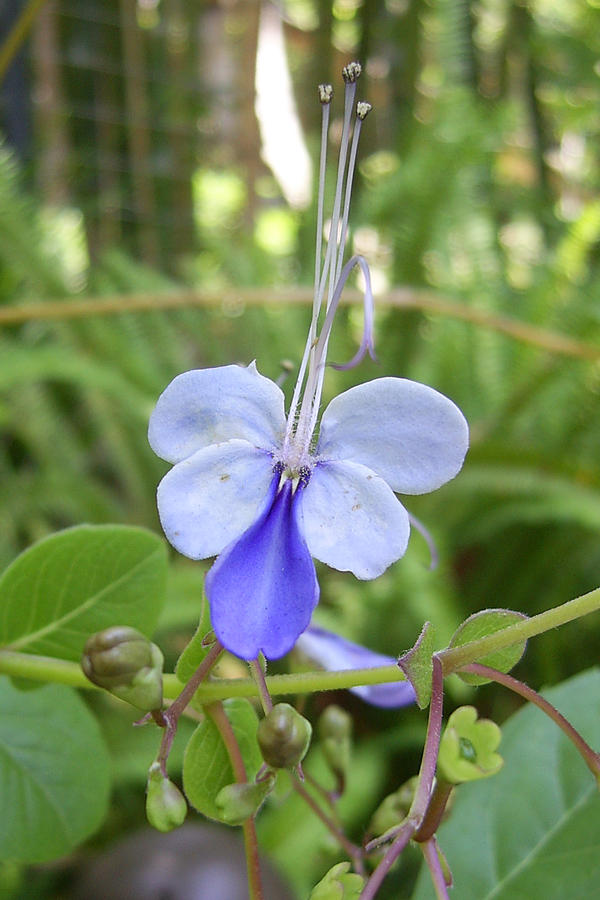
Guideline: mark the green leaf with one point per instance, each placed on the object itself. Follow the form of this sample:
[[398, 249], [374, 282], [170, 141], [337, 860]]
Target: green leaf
[[417, 665], [196, 650], [206, 765], [54, 772], [82, 580], [479, 625], [532, 830], [184, 594]]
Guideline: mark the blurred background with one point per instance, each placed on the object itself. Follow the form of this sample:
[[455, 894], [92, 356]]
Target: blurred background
[[157, 163]]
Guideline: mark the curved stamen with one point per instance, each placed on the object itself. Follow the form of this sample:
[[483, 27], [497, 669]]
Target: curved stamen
[[367, 344], [426, 534], [362, 111], [333, 274]]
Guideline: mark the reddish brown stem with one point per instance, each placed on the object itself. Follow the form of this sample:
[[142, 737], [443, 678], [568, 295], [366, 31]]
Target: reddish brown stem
[[591, 758], [216, 712], [435, 811], [328, 796], [259, 677], [419, 806], [353, 851], [170, 716], [434, 865], [405, 832]]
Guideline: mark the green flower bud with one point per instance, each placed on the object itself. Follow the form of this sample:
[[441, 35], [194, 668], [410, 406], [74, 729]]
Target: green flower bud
[[124, 662], [339, 884], [284, 737], [166, 808], [468, 745], [334, 722], [337, 755], [238, 802], [335, 731], [394, 808]]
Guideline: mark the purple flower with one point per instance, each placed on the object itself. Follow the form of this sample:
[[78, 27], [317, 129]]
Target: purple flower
[[247, 487], [336, 654], [254, 488]]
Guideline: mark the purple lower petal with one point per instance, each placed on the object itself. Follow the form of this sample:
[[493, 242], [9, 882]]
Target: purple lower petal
[[336, 654], [263, 588]]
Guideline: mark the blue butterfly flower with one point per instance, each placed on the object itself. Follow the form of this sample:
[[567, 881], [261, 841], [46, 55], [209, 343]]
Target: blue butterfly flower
[[254, 488]]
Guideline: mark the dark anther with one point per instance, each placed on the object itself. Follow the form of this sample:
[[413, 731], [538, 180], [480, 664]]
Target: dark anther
[[303, 476]]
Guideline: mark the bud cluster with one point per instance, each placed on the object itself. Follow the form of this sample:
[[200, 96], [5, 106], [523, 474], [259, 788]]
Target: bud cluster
[[123, 661]]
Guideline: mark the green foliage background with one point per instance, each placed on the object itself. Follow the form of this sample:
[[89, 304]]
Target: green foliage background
[[479, 183]]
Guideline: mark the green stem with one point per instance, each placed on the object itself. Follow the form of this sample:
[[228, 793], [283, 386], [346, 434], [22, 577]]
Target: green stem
[[456, 657], [302, 683], [45, 668], [60, 671]]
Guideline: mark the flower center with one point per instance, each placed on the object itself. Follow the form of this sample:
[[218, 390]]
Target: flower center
[[299, 475]]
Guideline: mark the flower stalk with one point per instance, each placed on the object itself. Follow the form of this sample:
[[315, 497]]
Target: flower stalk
[[354, 852], [430, 852], [170, 716], [416, 815], [258, 675], [216, 712]]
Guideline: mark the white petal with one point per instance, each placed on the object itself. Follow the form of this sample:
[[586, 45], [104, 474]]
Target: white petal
[[411, 435], [207, 406], [352, 520], [211, 498]]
